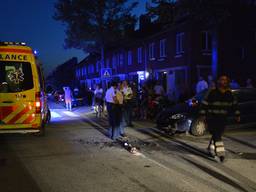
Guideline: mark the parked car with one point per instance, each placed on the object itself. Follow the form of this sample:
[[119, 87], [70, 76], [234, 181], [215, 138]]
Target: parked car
[[185, 116], [78, 101]]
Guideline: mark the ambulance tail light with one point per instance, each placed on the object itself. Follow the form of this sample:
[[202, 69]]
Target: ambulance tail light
[[38, 103]]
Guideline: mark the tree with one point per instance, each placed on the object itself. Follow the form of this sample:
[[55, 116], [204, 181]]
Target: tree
[[91, 25], [162, 11]]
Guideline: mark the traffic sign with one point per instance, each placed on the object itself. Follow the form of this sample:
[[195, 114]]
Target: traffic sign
[[106, 72]]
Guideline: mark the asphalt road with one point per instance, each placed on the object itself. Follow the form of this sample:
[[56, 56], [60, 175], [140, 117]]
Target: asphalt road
[[76, 155]]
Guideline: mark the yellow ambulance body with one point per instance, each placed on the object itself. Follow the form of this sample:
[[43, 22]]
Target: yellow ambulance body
[[23, 104]]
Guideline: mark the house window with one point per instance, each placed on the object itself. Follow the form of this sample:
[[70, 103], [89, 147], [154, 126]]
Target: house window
[[97, 66], [121, 59], [243, 53], [163, 48], [151, 50], [77, 73], [179, 43], [206, 41], [129, 58], [107, 63], [84, 71], [114, 61], [91, 68], [139, 54]]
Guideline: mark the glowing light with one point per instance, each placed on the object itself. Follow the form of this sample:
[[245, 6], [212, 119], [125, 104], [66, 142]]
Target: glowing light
[[141, 75], [146, 74], [38, 104], [35, 52]]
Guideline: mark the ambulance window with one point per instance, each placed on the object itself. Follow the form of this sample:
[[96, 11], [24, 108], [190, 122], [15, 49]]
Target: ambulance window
[[15, 77]]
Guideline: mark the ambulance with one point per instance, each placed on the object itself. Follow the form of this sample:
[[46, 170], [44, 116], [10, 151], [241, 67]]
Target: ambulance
[[23, 102]]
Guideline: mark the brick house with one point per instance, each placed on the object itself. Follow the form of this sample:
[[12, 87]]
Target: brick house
[[177, 55]]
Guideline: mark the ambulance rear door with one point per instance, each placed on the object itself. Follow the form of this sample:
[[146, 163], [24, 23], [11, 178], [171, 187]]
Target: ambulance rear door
[[17, 95]]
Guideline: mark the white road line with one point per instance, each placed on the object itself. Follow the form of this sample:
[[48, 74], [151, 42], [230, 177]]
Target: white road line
[[55, 115], [71, 114]]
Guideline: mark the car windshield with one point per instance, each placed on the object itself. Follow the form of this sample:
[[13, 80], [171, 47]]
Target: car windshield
[[15, 76]]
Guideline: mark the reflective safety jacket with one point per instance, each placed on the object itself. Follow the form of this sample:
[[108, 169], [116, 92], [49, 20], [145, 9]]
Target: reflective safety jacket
[[219, 104]]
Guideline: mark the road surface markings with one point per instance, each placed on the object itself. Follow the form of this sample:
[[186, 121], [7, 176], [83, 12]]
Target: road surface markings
[[55, 115], [140, 154], [71, 114]]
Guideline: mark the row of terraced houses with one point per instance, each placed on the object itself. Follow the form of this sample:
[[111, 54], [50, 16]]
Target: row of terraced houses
[[176, 55]]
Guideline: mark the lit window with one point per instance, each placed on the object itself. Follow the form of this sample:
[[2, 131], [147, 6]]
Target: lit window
[[129, 57], [179, 43], [139, 54], [163, 48], [151, 50]]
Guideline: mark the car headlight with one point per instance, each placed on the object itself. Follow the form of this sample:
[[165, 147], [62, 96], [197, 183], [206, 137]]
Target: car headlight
[[177, 116]]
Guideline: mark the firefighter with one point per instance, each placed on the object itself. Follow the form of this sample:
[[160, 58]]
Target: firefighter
[[216, 106]]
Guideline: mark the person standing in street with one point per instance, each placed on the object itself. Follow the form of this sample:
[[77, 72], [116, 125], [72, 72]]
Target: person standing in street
[[234, 84], [158, 89], [98, 100], [216, 106], [119, 111], [201, 85], [128, 105], [68, 98], [114, 100]]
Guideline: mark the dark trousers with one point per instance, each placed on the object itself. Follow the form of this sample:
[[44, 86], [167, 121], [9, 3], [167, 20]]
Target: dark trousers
[[127, 112], [114, 118], [216, 126]]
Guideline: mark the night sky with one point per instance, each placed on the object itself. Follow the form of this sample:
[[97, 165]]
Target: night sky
[[31, 21]]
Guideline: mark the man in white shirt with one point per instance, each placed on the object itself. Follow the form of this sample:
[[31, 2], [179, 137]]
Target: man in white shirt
[[113, 111], [201, 85]]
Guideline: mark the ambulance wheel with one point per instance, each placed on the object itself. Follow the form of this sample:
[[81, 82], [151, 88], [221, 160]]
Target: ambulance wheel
[[198, 127], [41, 131]]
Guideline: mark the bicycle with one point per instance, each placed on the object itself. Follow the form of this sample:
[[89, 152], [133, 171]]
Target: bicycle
[[98, 108]]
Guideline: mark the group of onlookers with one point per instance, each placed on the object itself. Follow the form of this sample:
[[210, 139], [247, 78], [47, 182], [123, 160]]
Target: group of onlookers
[[118, 100], [202, 84], [124, 101]]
